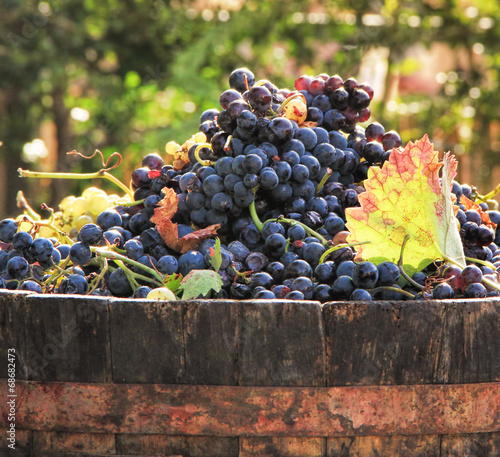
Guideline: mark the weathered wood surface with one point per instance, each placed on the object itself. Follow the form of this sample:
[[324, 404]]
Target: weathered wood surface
[[258, 411], [382, 446], [56, 339], [210, 332], [146, 342], [473, 445], [250, 342], [256, 343], [271, 446], [412, 342], [192, 446], [99, 443], [281, 344], [91, 454]]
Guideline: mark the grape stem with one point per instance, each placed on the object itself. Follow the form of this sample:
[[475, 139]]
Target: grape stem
[[62, 234], [488, 196], [98, 279], [243, 275], [323, 181], [392, 289], [490, 283], [115, 256], [62, 175], [481, 262], [129, 273], [339, 246], [253, 214], [205, 163], [402, 270], [58, 273], [308, 230], [134, 203], [23, 204]]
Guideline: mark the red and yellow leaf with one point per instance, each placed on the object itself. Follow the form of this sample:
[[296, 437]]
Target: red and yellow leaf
[[405, 197], [168, 229], [469, 204]]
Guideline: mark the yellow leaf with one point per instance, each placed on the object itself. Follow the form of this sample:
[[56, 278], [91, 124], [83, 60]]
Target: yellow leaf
[[405, 197]]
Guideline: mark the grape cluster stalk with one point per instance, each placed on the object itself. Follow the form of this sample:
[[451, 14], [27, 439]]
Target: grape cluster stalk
[[275, 170]]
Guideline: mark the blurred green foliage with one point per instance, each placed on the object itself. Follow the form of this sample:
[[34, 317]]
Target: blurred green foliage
[[145, 70]]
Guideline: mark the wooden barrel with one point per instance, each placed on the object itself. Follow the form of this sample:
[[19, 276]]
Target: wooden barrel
[[204, 378]]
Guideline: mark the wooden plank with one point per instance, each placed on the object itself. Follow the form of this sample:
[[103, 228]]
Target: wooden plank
[[472, 348], [269, 446], [211, 345], [61, 338], [473, 445], [79, 454], [257, 411], [281, 343], [23, 441], [10, 337], [387, 446], [138, 444], [381, 343], [211, 352], [212, 446], [147, 342], [100, 443], [408, 343], [192, 446]]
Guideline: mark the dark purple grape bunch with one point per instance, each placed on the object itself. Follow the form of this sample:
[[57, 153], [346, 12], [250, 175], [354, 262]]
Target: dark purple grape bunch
[[477, 226], [336, 103]]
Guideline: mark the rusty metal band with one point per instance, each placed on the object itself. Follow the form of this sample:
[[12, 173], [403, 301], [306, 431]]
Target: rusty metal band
[[256, 411]]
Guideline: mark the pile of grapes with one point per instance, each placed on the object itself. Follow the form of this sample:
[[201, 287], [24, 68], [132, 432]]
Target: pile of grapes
[[274, 170]]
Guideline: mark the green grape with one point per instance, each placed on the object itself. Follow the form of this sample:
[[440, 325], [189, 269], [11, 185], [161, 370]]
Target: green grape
[[161, 293]]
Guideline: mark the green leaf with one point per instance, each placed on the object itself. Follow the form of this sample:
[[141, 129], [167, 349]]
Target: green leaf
[[216, 255], [200, 282], [173, 282]]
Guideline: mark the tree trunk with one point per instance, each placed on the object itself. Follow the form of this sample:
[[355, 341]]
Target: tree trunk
[[15, 133], [59, 187]]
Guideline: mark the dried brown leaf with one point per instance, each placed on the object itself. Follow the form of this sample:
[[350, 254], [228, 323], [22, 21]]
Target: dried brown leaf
[[168, 229]]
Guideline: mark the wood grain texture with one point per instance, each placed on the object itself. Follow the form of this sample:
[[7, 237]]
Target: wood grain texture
[[284, 447], [281, 343], [472, 340], [61, 338], [258, 411], [423, 351], [187, 446], [384, 343], [210, 330], [92, 454], [471, 445], [211, 345], [147, 342], [24, 442], [385, 446], [10, 336], [100, 443]]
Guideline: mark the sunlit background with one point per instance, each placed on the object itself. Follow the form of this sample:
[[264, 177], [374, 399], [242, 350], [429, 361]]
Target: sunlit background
[[131, 76]]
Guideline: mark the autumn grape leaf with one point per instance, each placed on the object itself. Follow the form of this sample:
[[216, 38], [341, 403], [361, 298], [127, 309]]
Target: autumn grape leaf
[[168, 230], [485, 217], [405, 197], [200, 282]]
